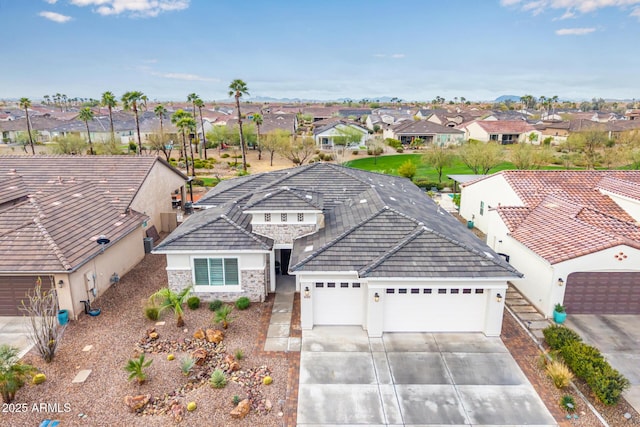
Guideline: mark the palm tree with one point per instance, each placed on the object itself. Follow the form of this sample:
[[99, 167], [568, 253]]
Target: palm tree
[[172, 300], [193, 98], [185, 122], [136, 368], [85, 115], [13, 373], [160, 111], [237, 88], [258, 120], [130, 101], [200, 103], [109, 100], [222, 316], [25, 103]]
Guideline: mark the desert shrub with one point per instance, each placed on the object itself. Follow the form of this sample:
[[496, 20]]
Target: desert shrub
[[193, 303], [559, 373], [197, 181], [558, 336], [224, 155], [354, 152], [239, 354], [186, 365], [243, 303], [608, 385], [217, 379], [393, 143], [236, 399], [215, 305], [152, 312], [136, 369], [39, 378], [582, 358], [568, 403], [133, 146]]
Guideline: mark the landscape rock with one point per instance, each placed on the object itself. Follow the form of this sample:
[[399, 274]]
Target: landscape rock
[[198, 334], [199, 356], [215, 335], [241, 410], [177, 410], [136, 403]]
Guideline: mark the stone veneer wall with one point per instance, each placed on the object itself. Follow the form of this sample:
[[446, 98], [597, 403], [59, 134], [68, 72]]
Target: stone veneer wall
[[252, 283], [283, 233]]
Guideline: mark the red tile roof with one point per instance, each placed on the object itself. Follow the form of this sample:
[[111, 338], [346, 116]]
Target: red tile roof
[[505, 126]]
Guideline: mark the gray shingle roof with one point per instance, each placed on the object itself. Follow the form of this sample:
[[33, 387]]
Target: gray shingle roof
[[291, 198]]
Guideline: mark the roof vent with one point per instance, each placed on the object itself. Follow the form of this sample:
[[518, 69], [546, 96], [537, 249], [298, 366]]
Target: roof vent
[[392, 198], [363, 200], [488, 255], [76, 195], [117, 223], [267, 195], [308, 196], [308, 248], [56, 203]]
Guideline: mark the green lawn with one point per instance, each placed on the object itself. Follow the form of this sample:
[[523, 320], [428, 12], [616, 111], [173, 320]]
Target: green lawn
[[390, 164]]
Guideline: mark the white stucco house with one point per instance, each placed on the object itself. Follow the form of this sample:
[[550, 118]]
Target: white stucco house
[[574, 235], [326, 136], [501, 131], [366, 249]]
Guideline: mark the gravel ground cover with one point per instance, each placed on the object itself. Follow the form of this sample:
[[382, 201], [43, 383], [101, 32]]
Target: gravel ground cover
[[121, 333]]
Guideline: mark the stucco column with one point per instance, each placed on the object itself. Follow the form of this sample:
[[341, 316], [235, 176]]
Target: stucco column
[[494, 311], [375, 312], [306, 306]]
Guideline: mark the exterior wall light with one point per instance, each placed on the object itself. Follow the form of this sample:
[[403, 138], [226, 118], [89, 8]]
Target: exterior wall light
[[376, 297], [307, 293], [60, 283], [560, 281], [499, 298]]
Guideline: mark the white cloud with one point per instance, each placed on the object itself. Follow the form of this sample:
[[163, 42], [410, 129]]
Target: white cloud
[[574, 31], [398, 55], [570, 6], [393, 55], [51, 1], [55, 17], [186, 77], [136, 8]]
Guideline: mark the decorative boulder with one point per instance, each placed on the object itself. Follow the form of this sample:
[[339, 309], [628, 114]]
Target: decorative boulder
[[199, 355], [231, 362], [215, 336], [241, 410], [199, 334], [136, 403]]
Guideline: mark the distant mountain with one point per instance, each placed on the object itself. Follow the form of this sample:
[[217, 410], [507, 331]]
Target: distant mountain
[[504, 98]]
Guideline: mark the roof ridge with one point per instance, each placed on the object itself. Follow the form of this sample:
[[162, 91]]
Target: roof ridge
[[244, 230], [215, 218], [399, 245], [339, 237], [45, 233]]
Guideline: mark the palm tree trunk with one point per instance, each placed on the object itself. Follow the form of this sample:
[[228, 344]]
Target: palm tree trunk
[[33, 150], [135, 111], [179, 321], [89, 136], [244, 154], [113, 134], [258, 143], [193, 163], [184, 150], [204, 138]]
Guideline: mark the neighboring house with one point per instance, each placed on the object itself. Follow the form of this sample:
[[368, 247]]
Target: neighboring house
[[271, 122], [501, 131], [386, 117], [507, 115], [366, 249], [444, 118], [557, 131], [325, 136], [632, 114], [574, 235], [430, 133]]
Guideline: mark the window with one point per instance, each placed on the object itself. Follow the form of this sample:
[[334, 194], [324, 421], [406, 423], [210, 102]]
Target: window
[[426, 291], [402, 291], [319, 285], [493, 137], [283, 217], [331, 285], [415, 291], [300, 217], [216, 271], [267, 217], [466, 291], [391, 291], [355, 285], [481, 208], [442, 291], [455, 291], [344, 285], [479, 291]]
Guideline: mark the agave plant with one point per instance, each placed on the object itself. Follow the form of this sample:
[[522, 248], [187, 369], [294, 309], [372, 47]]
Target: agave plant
[[186, 365], [166, 298], [136, 368]]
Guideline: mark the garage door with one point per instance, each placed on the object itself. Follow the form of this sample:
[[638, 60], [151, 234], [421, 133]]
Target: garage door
[[434, 310], [13, 290], [603, 293], [338, 303]]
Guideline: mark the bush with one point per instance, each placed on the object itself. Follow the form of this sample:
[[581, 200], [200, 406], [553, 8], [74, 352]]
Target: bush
[[559, 373], [186, 365], [215, 305], [608, 385], [197, 181], [236, 399], [239, 354], [224, 155], [568, 403], [133, 147], [39, 379], [152, 312], [217, 379], [193, 303], [243, 303], [558, 336], [583, 359]]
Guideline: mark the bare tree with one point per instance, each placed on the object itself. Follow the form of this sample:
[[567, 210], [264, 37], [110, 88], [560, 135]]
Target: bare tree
[[42, 309], [298, 150]]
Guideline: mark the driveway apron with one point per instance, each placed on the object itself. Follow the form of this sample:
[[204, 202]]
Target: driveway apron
[[416, 379]]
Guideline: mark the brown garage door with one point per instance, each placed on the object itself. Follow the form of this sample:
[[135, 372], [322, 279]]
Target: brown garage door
[[13, 289], [603, 293]]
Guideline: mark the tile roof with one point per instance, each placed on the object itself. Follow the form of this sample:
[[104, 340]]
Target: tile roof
[[366, 217], [57, 231], [292, 198], [118, 178], [421, 127], [505, 126]]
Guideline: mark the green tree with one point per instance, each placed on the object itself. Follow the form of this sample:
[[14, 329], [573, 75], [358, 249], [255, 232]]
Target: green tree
[[25, 104], [109, 100], [160, 111], [165, 299], [200, 104], [237, 89], [69, 144], [276, 141], [86, 115], [346, 135], [219, 136], [13, 373], [192, 98], [408, 169], [439, 158], [589, 144], [480, 157], [185, 123], [299, 150], [131, 101], [258, 120]]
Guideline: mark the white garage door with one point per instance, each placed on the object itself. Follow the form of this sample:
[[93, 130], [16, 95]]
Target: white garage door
[[338, 303], [434, 310]]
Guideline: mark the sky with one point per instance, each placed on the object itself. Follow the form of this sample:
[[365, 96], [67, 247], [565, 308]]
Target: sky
[[324, 50]]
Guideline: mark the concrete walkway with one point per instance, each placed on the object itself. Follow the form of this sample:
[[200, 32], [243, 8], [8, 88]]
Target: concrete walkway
[[14, 332], [278, 338]]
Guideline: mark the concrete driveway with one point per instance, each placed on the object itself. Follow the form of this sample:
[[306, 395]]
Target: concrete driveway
[[13, 331], [618, 339], [412, 379]]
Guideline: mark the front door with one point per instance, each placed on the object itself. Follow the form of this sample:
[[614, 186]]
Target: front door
[[285, 256]]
